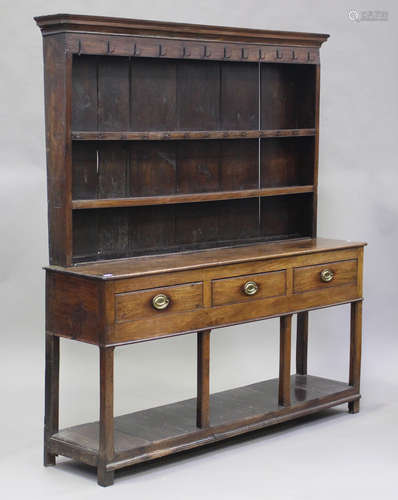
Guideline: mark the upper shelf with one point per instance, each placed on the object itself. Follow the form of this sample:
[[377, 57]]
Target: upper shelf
[[190, 135]]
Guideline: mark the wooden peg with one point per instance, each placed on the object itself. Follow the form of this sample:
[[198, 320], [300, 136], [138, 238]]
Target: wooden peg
[[206, 52], [136, 51]]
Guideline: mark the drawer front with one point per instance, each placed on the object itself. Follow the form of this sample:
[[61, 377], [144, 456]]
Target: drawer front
[[232, 290], [285, 285], [228, 314], [136, 305], [330, 274]]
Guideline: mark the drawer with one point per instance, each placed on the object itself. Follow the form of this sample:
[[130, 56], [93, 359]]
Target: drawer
[[132, 306], [232, 290], [330, 274]]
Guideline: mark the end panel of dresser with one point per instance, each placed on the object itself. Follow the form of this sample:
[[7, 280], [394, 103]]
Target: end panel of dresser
[[76, 307]]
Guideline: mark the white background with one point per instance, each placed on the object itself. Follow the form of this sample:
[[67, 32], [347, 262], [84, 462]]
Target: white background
[[335, 455]]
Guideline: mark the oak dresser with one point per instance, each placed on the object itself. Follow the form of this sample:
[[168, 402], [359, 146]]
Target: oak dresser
[[182, 169]]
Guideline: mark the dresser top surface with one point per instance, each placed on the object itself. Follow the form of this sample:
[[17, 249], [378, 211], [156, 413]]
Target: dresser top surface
[[75, 22], [156, 264]]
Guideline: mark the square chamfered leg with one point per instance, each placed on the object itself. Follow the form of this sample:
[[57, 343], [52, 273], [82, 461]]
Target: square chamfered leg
[[285, 359], [302, 343], [203, 386], [106, 423], [355, 352], [51, 408]]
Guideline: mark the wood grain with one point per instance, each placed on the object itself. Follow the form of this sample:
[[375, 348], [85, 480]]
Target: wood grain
[[158, 47], [284, 360], [77, 304], [153, 81], [355, 351], [188, 198], [230, 290], [84, 171], [302, 343], [173, 427], [73, 307], [98, 24], [286, 217], [287, 162], [287, 96], [239, 98], [226, 315], [113, 93], [57, 94], [51, 406], [168, 138], [149, 265], [135, 305], [173, 135], [84, 93], [308, 278], [203, 382], [106, 446]]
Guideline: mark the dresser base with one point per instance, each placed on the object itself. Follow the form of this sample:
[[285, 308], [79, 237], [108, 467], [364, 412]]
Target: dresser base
[[152, 433], [113, 305]]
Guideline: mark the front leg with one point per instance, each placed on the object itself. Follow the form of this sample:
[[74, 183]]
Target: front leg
[[355, 352], [51, 407], [353, 406], [106, 424]]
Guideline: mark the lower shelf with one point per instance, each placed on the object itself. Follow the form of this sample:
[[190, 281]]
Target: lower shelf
[[156, 432]]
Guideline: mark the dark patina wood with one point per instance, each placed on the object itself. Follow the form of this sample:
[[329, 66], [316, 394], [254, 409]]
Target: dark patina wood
[[99, 24], [207, 138], [203, 382], [182, 167], [302, 343], [57, 94], [106, 447], [51, 410], [284, 359], [355, 352], [156, 432]]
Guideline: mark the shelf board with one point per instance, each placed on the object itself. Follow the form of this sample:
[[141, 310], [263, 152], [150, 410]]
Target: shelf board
[[156, 432], [189, 135], [140, 201]]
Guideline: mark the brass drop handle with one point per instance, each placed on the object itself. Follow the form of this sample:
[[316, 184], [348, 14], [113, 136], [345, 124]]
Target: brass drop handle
[[160, 301], [250, 288], [327, 275]]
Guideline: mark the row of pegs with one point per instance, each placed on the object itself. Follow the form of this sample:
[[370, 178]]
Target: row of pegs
[[279, 54]]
